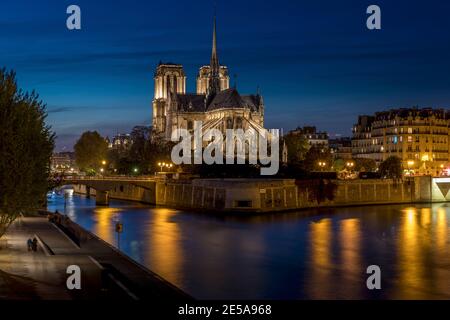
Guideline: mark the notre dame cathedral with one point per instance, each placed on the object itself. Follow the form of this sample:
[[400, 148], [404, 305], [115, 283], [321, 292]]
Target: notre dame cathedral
[[215, 103]]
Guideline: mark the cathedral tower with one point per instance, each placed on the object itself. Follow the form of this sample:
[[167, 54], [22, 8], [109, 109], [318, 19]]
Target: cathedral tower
[[169, 78]]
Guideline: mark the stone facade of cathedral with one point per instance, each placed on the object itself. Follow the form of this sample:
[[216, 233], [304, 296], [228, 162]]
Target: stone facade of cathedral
[[214, 103]]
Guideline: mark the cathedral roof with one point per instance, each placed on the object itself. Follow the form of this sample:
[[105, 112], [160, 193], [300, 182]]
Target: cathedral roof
[[191, 102], [229, 98]]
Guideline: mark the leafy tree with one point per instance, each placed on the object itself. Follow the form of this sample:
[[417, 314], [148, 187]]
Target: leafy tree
[[145, 153], [26, 146], [316, 155], [90, 150], [365, 165], [339, 165], [391, 168], [297, 147]]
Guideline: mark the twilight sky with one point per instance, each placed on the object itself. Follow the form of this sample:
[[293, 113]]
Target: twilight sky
[[315, 61]]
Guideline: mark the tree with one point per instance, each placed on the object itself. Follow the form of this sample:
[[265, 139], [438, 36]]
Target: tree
[[391, 168], [26, 146], [365, 165], [90, 151], [339, 164], [297, 147], [318, 159]]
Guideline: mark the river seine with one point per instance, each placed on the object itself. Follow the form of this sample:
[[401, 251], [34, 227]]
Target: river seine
[[314, 254]]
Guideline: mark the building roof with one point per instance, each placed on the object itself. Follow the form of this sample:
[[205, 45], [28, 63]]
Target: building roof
[[413, 112], [229, 98], [191, 102]]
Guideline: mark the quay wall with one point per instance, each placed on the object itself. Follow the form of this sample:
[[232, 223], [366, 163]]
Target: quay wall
[[267, 195]]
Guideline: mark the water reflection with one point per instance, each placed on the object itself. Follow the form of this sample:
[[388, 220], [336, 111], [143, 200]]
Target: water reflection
[[350, 250], [164, 252], [106, 219], [320, 248], [310, 254]]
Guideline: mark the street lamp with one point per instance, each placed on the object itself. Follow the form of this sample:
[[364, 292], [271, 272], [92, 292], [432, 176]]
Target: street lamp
[[104, 162], [165, 165], [322, 164]]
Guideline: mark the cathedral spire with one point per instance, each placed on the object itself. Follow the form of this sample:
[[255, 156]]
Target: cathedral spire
[[214, 83]]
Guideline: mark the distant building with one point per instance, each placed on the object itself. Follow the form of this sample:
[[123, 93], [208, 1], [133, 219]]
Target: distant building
[[314, 137], [419, 137], [123, 141], [63, 162], [341, 148], [120, 142]]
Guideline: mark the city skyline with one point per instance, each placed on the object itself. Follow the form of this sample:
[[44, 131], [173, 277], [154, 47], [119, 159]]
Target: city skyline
[[309, 60]]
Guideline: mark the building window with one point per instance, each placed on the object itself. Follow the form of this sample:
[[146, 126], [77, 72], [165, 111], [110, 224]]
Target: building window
[[410, 138], [190, 126]]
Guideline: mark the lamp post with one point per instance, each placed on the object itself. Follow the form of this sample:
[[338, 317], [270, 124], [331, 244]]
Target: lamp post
[[165, 165]]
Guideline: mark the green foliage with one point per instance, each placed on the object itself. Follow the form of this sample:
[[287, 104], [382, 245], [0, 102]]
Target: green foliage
[[26, 147], [316, 155], [144, 154], [297, 147], [90, 150], [365, 165], [391, 168], [339, 165]]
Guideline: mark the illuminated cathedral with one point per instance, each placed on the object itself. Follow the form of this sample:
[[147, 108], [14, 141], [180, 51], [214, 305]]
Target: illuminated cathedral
[[214, 103]]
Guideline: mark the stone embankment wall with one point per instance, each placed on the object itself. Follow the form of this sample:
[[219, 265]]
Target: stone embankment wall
[[265, 195]]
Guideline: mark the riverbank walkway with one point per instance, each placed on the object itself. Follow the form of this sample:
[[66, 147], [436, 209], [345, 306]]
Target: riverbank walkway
[[42, 275]]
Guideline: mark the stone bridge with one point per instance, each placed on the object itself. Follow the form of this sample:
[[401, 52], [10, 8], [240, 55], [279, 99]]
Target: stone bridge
[[106, 185]]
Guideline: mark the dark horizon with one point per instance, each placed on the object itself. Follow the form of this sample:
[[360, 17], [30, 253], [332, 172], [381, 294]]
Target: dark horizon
[[315, 63]]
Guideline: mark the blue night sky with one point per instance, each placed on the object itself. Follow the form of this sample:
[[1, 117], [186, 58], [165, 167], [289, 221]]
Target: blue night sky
[[315, 61]]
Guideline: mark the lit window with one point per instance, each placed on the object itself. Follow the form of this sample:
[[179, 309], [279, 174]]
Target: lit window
[[410, 138], [410, 130]]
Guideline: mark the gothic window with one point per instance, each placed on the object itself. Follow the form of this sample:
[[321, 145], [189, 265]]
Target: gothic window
[[239, 123], [190, 125], [229, 123]]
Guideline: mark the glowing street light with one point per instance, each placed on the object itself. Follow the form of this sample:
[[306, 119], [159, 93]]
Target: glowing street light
[[104, 162], [322, 164]]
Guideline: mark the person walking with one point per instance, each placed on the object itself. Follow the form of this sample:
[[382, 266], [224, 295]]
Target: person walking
[[29, 244]]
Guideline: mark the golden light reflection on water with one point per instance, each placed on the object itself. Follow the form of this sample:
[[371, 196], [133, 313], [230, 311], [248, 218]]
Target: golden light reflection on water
[[328, 278], [165, 252], [105, 226], [409, 250], [441, 230], [422, 247], [350, 241], [321, 262]]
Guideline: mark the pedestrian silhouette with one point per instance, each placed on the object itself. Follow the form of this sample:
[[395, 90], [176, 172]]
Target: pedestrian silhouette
[[34, 245]]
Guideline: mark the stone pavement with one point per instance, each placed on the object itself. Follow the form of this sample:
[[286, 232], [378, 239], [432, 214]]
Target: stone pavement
[[105, 273]]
